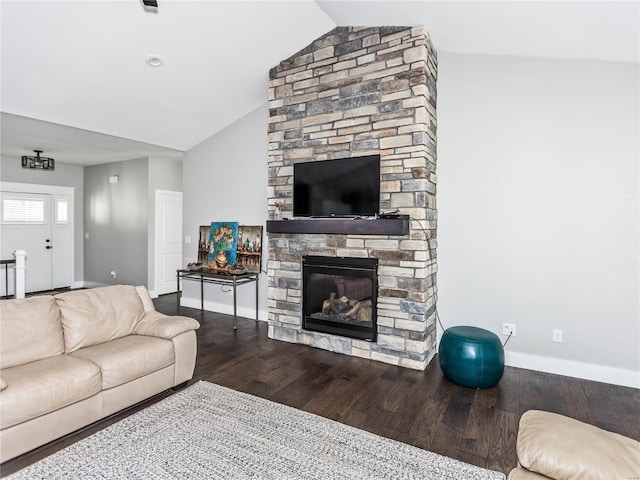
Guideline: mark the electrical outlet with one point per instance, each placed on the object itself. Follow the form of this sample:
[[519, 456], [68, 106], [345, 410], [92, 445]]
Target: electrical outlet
[[113, 273], [557, 336], [187, 239], [509, 329]]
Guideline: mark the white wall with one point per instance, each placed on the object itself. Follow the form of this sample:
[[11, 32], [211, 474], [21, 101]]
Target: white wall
[[225, 179], [538, 209]]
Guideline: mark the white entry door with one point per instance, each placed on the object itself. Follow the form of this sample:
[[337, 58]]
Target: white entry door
[[42, 225], [168, 240], [26, 225]]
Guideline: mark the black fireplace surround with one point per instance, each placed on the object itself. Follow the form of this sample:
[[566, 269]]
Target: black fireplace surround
[[340, 296]]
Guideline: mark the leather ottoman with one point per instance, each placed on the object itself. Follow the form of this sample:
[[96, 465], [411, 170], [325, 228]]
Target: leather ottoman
[[471, 356]]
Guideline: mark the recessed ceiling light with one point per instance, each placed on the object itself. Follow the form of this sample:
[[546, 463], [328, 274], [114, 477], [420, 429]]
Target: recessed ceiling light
[[154, 60]]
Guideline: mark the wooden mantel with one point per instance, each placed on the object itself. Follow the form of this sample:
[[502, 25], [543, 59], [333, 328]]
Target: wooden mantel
[[357, 226]]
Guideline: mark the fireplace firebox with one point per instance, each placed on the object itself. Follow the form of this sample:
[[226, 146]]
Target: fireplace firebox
[[340, 296]]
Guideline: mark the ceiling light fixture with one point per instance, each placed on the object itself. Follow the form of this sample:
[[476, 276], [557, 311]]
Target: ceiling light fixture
[[154, 60], [43, 163]]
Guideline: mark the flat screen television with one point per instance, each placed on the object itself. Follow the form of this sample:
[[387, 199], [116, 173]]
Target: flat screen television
[[342, 187]]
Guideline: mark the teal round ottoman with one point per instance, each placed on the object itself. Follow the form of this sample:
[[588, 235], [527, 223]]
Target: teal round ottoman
[[471, 356]]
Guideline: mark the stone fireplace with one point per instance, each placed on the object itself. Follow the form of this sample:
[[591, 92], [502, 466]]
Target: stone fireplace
[[358, 91]]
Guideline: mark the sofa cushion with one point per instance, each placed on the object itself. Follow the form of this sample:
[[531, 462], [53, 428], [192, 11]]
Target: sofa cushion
[[97, 315], [128, 358], [31, 330], [156, 324], [563, 448], [147, 303], [40, 387]]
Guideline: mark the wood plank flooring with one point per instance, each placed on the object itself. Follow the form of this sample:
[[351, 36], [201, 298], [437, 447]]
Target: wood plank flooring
[[420, 408]]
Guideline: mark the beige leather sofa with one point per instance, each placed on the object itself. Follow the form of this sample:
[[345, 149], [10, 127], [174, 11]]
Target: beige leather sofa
[[562, 448], [71, 359]]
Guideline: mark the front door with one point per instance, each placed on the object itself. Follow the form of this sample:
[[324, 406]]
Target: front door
[[26, 225], [41, 224]]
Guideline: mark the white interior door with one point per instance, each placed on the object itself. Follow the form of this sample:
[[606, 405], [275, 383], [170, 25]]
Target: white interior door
[[26, 225], [168, 240]]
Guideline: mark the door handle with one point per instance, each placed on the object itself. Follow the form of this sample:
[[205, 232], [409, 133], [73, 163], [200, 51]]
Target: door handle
[[48, 247]]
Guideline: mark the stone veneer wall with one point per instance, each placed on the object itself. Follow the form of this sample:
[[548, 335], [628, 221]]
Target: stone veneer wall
[[360, 91]]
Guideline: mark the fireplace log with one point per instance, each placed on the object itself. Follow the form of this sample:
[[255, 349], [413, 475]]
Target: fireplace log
[[357, 307], [345, 308]]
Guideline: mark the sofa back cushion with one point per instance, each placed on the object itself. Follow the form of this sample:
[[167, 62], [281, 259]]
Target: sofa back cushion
[[31, 330], [97, 315]]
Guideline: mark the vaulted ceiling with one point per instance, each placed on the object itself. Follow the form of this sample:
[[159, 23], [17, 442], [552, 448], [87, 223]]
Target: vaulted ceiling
[[75, 82]]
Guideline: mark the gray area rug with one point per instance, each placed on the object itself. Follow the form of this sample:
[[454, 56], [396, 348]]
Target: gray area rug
[[211, 432]]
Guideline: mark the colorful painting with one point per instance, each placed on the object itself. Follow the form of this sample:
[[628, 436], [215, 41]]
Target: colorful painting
[[223, 244]]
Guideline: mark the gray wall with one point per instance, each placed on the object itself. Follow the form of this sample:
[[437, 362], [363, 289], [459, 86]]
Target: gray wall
[[116, 220], [64, 176], [537, 206], [225, 179]]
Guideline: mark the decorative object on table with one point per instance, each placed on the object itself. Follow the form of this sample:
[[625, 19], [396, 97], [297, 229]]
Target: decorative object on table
[[249, 253], [223, 244], [471, 356], [235, 270], [210, 431]]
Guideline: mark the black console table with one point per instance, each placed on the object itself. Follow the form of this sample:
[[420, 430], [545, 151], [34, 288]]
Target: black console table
[[398, 225], [218, 277]]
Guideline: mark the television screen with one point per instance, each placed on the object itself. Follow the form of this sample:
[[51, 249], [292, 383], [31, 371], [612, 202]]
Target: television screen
[[340, 187]]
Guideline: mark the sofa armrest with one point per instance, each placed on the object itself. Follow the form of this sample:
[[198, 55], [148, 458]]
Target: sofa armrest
[[563, 448], [156, 324], [520, 473]]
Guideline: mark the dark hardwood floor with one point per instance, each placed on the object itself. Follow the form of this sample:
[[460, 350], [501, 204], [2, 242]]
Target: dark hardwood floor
[[420, 408]]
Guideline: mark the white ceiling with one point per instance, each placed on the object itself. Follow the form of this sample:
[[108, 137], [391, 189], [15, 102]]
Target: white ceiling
[[75, 84]]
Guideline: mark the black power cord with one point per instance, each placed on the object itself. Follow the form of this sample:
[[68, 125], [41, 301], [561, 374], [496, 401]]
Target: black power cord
[[424, 231]]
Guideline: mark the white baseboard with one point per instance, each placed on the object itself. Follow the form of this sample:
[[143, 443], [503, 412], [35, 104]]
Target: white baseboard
[[569, 368], [224, 308]]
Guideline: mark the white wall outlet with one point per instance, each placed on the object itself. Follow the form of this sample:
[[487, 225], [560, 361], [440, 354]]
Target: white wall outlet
[[113, 273], [509, 329], [557, 336], [187, 239]]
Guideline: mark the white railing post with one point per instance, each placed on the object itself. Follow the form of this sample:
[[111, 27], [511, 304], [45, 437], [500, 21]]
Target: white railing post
[[20, 277]]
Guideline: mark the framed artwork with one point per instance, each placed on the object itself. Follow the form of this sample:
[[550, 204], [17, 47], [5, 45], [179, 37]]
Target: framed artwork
[[203, 244], [249, 252], [223, 245]]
